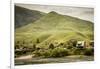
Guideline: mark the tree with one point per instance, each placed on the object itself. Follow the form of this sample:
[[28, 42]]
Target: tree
[[51, 46], [34, 46], [17, 42], [23, 42], [16, 46], [37, 41], [73, 42]]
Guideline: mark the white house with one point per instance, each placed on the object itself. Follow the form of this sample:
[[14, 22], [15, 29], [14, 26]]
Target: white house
[[80, 44]]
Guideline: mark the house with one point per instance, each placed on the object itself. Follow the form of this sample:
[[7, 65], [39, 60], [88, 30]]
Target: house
[[81, 44], [91, 43]]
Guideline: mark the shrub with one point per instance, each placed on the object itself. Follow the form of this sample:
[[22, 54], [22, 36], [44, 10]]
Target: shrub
[[89, 51], [17, 46], [18, 53], [73, 42], [56, 52], [69, 47], [78, 51], [47, 53], [59, 52], [37, 53], [83, 51]]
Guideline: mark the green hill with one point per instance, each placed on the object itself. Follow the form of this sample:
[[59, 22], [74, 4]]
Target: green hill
[[25, 16], [54, 27]]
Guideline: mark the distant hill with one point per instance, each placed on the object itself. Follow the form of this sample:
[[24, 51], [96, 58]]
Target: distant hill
[[59, 22], [25, 16], [56, 27]]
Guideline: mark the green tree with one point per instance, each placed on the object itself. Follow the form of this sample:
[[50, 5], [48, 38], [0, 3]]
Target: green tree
[[51, 46], [18, 42], [23, 42], [37, 41], [34, 46], [73, 42]]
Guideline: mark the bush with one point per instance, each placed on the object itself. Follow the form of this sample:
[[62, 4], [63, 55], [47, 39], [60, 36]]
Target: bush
[[89, 51], [37, 53], [72, 42], [59, 52], [69, 47], [56, 52], [47, 53], [83, 51], [78, 51]]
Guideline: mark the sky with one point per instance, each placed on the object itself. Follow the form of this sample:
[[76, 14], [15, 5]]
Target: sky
[[79, 12]]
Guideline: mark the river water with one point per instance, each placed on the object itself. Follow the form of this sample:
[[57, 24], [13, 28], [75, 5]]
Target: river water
[[40, 60]]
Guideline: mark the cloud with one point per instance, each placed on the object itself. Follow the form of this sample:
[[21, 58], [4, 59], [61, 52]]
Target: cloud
[[79, 12]]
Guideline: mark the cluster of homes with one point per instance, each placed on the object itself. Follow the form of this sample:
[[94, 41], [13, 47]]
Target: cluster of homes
[[85, 44]]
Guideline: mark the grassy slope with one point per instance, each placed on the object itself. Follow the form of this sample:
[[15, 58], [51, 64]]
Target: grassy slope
[[55, 27], [25, 16]]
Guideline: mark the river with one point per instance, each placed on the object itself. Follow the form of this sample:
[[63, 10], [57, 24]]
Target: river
[[25, 60]]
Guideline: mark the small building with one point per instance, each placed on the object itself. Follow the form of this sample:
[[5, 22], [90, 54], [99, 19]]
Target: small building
[[81, 44], [91, 43]]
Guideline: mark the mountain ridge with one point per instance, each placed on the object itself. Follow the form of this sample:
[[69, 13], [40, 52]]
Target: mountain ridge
[[24, 16]]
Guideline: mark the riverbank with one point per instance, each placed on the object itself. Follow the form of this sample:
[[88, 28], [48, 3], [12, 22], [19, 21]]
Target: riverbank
[[24, 60]]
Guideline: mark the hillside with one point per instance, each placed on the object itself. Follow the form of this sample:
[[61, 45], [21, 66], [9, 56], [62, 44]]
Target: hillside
[[25, 16], [54, 27]]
